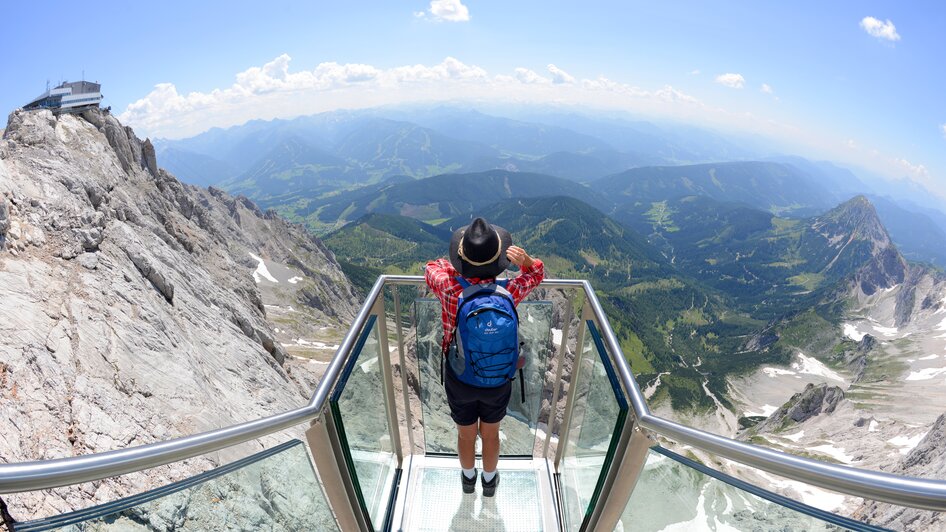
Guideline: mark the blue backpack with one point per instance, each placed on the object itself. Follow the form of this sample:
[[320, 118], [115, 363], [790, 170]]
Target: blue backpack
[[486, 353]]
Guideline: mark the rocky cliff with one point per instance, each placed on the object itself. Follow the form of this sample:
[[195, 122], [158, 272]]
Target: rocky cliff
[[810, 402], [858, 241], [927, 460], [887, 357], [128, 308]]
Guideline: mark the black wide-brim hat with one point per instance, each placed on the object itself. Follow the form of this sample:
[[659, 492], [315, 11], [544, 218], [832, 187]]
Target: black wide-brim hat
[[483, 251]]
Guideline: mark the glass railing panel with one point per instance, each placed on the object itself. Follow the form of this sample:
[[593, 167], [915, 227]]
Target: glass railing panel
[[518, 429], [358, 408], [276, 489], [677, 493], [598, 416]]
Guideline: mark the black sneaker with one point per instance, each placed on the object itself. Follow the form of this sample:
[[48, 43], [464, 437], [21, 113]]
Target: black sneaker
[[469, 484], [489, 488]]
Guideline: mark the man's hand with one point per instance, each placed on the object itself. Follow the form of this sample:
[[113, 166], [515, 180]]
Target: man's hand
[[519, 257]]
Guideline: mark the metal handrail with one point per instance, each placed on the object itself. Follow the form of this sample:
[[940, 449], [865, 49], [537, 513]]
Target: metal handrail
[[900, 490], [36, 475]]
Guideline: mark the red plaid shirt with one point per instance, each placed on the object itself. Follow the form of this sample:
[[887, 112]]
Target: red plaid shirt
[[441, 277]]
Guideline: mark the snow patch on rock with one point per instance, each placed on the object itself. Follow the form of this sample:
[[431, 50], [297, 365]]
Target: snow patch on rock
[[262, 271], [556, 337], [851, 332], [837, 453], [906, 443], [775, 372], [767, 410], [925, 374], [813, 366]]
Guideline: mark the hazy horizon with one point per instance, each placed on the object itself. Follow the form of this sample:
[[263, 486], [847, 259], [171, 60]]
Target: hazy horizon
[[852, 83]]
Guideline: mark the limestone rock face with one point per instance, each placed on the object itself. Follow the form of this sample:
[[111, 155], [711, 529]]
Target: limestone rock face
[[4, 218], [813, 400], [858, 237], [928, 460], [858, 358], [128, 308]]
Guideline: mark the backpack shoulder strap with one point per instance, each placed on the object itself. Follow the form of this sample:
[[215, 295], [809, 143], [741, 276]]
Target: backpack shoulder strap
[[498, 286], [501, 289], [470, 290]]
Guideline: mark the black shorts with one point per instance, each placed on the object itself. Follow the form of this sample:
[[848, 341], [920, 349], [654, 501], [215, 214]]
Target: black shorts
[[469, 403]]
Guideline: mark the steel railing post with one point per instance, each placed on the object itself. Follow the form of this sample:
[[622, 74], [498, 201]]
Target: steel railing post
[[572, 387], [622, 477], [556, 387], [402, 358], [333, 472], [390, 406]]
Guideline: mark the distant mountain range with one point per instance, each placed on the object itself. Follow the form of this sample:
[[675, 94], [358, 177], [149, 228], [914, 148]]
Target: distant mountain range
[[426, 142], [688, 277], [769, 264], [299, 166], [793, 188], [596, 197], [435, 199], [774, 187], [667, 204]]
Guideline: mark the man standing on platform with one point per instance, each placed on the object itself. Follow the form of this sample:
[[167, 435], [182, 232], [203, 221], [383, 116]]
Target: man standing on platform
[[480, 337]]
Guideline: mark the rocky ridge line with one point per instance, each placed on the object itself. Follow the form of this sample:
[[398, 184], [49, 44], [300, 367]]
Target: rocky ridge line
[[810, 402], [128, 308]]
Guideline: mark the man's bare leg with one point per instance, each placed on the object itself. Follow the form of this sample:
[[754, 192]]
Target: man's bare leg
[[466, 445], [489, 432]]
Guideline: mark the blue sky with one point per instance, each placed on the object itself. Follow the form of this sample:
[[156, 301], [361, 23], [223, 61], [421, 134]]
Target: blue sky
[[820, 77]]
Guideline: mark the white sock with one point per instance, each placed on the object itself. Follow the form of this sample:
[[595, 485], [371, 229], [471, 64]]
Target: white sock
[[488, 476], [470, 473]]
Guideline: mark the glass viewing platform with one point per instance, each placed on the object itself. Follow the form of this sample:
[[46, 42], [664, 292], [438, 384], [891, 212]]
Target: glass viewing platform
[[374, 449]]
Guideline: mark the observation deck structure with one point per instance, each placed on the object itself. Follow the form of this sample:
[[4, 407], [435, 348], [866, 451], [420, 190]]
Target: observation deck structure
[[374, 449], [68, 97]]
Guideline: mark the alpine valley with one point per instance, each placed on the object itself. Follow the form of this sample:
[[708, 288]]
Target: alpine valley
[[783, 301], [766, 297]]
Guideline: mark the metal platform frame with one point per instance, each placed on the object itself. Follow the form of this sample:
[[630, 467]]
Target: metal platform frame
[[635, 440]]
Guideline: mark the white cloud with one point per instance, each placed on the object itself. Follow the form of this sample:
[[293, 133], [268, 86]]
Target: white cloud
[[735, 81], [669, 94], [881, 30], [275, 90], [695, 72], [524, 75], [449, 11], [449, 69], [766, 88], [559, 75], [913, 170]]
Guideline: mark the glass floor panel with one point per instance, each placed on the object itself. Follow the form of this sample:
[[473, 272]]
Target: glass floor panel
[[435, 499]]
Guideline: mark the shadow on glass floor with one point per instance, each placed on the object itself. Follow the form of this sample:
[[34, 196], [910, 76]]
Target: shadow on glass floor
[[442, 505]]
